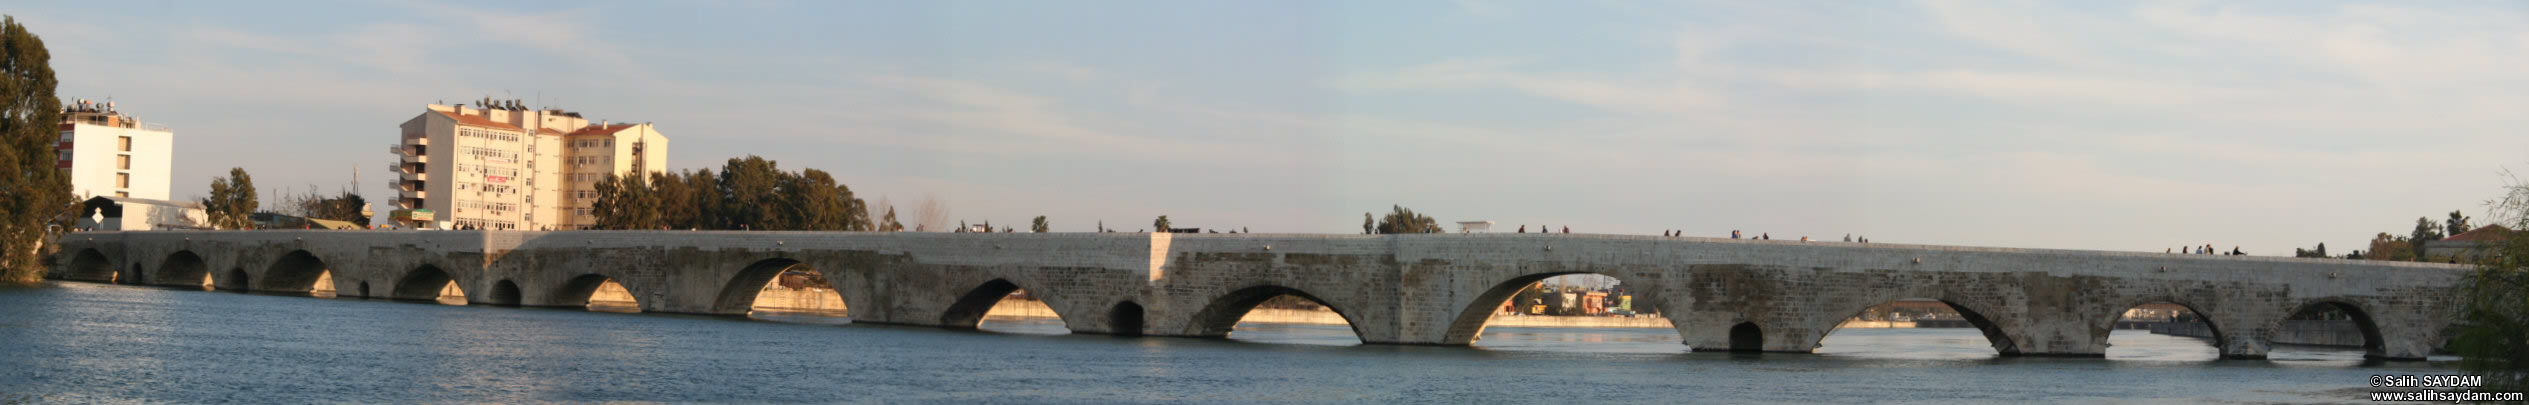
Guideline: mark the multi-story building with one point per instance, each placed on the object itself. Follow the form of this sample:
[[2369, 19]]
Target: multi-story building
[[500, 165], [128, 162], [108, 154]]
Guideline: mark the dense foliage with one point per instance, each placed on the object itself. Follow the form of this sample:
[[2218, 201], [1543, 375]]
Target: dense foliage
[[33, 194], [747, 193], [1403, 220], [2493, 331]]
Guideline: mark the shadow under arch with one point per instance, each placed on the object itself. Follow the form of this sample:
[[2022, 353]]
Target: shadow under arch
[[181, 269], [503, 293], [577, 292], [89, 265], [1747, 337], [2002, 343], [423, 283], [1470, 322], [296, 272], [1125, 319], [238, 280], [2373, 345], [2221, 337], [1221, 315]]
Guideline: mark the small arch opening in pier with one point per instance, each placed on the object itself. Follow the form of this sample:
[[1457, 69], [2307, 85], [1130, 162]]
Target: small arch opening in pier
[[791, 291], [1566, 312], [1916, 328], [296, 272], [504, 293], [1125, 319], [1746, 337], [1275, 314], [1001, 306], [90, 265], [597, 293], [429, 283], [237, 281], [183, 269], [2163, 331], [2326, 333]]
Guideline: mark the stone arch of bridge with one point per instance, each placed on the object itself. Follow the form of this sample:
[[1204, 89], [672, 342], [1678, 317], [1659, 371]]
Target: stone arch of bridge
[[1477, 311], [503, 293], [89, 265], [969, 309], [1974, 315], [423, 283], [576, 291], [1125, 319], [2222, 337], [2374, 345], [182, 268], [737, 295], [237, 280], [296, 271], [1223, 312]]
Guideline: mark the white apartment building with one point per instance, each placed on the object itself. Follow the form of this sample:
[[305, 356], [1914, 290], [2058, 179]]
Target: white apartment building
[[500, 165], [108, 154]]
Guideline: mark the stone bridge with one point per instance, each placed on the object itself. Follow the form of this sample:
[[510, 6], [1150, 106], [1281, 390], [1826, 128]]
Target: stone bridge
[[1741, 295]]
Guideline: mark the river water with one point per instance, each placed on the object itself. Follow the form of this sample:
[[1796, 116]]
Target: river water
[[93, 343]]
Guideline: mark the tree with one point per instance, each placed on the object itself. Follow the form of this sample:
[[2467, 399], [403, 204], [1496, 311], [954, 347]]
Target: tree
[[811, 201], [1040, 226], [33, 193], [2426, 231], [749, 190], [1160, 225], [626, 202], [1368, 226], [2492, 335], [232, 202], [930, 215], [675, 201], [892, 225], [2389, 247], [705, 187], [2457, 224], [1403, 220]]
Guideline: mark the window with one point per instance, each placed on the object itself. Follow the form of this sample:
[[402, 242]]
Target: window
[[122, 180], [65, 136], [122, 194], [123, 142], [123, 162]]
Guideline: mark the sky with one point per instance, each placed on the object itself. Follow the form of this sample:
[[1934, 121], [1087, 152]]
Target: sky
[[2133, 126]]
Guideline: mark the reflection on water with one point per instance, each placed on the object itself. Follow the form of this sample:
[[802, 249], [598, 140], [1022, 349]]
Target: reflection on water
[[84, 343]]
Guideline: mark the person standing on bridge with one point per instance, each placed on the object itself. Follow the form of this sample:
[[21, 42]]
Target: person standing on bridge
[[1567, 229], [1523, 228], [1734, 234]]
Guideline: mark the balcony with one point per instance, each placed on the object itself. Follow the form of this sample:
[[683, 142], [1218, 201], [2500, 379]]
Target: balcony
[[416, 176]]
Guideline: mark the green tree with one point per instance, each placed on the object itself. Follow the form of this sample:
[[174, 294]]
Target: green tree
[[813, 202], [748, 190], [625, 202], [1040, 226], [2492, 335], [855, 211], [2426, 231], [1368, 226], [1402, 220], [675, 200], [1160, 225], [891, 225], [232, 202], [2457, 224], [33, 193], [705, 187]]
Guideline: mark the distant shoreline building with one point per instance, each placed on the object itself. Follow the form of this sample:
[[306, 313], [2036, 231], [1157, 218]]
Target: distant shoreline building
[[500, 165], [108, 154]]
